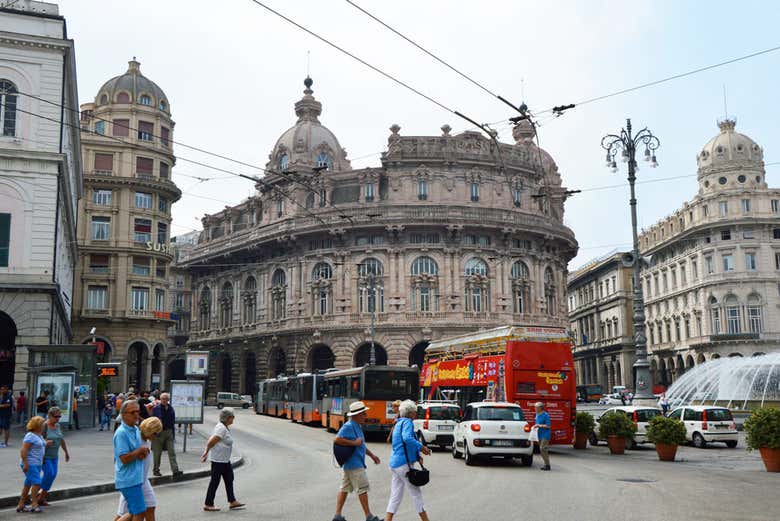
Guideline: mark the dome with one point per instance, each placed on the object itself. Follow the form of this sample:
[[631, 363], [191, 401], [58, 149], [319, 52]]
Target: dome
[[730, 160], [141, 90], [308, 144]]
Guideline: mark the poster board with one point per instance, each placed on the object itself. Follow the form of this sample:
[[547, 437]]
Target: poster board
[[197, 363], [187, 400], [60, 388]]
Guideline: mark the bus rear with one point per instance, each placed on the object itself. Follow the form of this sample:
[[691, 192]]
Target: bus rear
[[382, 385]]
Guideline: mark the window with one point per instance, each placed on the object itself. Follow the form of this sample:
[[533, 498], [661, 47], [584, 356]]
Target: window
[[422, 189], [162, 233], [687, 328], [5, 238], [97, 297], [370, 266], [424, 238], [144, 167], [163, 105], [745, 205], [143, 200], [521, 285], [139, 298], [284, 162], [709, 265], [777, 261], [162, 204], [142, 231], [750, 261], [683, 275], [102, 197], [754, 314], [100, 127], [250, 300], [476, 267], [694, 270], [748, 234], [522, 244], [159, 299], [8, 97], [666, 281], [322, 271], [775, 206], [323, 198], [146, 131], [121, 127], [706, 210], [310, 200], [725, 235], [104, 164], [98, 263], [165, 135], [369, 191], [145, 100], [159, 270], [728, 262], [324, 160], [776, 233], [164, 171], [141, 266], [516, 194], [474, 191], [723, 207], [279, 207], [732, 315], [278, 295], [101, 228], [424, 266]]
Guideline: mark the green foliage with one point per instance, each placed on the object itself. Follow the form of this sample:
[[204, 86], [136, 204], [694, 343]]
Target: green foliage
[[667, 431], [616, 424], [584, 422], [763, 428]]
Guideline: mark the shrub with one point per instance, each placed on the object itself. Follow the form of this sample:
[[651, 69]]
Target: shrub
[[763, 428], [616, 424], [584, 422], [667, 431]]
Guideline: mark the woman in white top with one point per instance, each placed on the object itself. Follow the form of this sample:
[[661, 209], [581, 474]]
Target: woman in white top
[[150, 428], [218, 450]]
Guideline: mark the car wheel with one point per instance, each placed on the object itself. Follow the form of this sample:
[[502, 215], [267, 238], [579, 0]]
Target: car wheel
[[245, 406], [527, 461], [455, 453], [731, 444], [470, 459], [698, 441], [633, 445], [593, 439], [220, 405]]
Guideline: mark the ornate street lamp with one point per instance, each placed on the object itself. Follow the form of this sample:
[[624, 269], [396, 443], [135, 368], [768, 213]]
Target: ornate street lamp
[[626, 144], [369, 282]]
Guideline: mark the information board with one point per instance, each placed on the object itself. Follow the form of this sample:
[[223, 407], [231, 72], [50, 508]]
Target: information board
[[197, 363], [60, 389], [187, 400]]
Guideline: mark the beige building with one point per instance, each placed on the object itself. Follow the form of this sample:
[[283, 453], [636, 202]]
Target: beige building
[[600, 303], [436, 241], [180, 304], [712, 287], [124, 226]]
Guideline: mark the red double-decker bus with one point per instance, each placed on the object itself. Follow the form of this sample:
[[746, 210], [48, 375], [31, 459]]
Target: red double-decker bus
[[520, 364]]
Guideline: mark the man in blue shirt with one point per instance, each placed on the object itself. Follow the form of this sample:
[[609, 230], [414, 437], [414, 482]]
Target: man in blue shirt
[[542, 426], [164, 440], [355, 478], [128, 453]]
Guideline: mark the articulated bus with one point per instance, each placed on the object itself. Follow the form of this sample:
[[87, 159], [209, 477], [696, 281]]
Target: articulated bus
[[304, 395], [377, 386], [520, 364], [272, 397]]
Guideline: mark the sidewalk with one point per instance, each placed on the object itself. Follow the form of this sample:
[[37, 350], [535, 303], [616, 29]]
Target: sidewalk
[[91, 467]]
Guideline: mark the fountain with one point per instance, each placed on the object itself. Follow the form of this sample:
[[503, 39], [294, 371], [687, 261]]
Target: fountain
[[736, 383]]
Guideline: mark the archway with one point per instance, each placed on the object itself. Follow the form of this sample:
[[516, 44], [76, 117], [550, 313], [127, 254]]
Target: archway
[[363, 355], [417, 354], [137, 354], [225, 373], [250, 373], [664, 374], [277, 363], [700, 359], [7, 349], [158, 354], [689, 363], [321, 357], [735, 355]]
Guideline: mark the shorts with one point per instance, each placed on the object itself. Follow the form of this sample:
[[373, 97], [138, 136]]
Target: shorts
[[33, 475], [354, 480], [5, 423], [135, 499], [149, 499]]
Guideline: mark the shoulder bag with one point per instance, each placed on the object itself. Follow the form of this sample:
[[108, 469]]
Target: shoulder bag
[[343, 452], [417, 477]]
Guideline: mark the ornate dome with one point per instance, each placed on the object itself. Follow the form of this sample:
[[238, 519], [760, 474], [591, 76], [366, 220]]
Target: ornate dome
[[308, 143], [730, 160], [139, 89]]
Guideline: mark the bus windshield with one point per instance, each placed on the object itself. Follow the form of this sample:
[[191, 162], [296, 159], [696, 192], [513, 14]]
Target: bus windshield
[[390, 385]]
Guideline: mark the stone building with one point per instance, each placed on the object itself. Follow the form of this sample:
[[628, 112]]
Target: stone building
[[600, 303], [124, 226], [180, 304], [438, 240], [40, 183], [711, 289]]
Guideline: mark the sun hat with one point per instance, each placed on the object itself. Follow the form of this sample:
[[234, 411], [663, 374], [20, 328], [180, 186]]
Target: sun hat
[[356, 408]]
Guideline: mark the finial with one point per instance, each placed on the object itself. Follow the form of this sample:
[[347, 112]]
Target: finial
[[308, 82], [445, 130], [133, 65]]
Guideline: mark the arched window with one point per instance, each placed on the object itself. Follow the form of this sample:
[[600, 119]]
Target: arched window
[[477, 287], [324, 160], [205, 308], [733, 318], [145, 99], [8, 98], [284, 162], [279, 278], [424, 266], [322, 271], [476, 267], [278, 295], [715, 323], [163, 105], [754, 314], [104, 99], [321, 289], [550, 291], [249, 297], [425, 295], [226, 305], [371, 291], [521, 286], [370, 266], [123, 97]]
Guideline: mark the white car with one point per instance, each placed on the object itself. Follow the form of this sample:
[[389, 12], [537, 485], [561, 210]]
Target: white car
[[611, 399], [436, 421], [641, 417], [705, 424], [493, 429]]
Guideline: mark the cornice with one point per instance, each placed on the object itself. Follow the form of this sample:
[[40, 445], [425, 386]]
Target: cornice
[[34, 42]]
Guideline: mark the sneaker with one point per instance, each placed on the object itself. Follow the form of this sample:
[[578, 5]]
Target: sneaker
[[178, 473], [546, 467], [339, 518], [157, 473], [372, 517]]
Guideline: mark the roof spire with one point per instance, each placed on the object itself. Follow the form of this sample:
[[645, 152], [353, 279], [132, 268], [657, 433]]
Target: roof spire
[[308, 108]]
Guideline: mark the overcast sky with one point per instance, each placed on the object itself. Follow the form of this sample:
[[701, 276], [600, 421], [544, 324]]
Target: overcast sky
[[232, 71]]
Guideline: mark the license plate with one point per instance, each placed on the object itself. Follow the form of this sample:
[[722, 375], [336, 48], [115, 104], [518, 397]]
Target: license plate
[[721, 426], [446, 427], [503, 443]]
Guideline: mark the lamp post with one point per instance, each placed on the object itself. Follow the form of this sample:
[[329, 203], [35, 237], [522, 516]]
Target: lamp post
[[626, 143], [367, 272]]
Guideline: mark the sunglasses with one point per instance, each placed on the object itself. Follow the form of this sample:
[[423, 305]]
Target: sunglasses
[[58, 416]]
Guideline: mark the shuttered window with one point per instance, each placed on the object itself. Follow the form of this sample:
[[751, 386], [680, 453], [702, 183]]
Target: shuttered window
[[121, 127], [142, 230], [164, 171], [5, 238], [104, 163], [144, 166], [98, 263], [145, 131], [164, 136]]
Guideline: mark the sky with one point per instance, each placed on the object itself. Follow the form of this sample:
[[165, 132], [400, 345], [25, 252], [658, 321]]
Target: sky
[[232, 71]]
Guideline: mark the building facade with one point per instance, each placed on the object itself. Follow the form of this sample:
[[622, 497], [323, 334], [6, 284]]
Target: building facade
[[40, 183], [712, 287], [444, 237], [124, 227], [600, 303], [180, 304]]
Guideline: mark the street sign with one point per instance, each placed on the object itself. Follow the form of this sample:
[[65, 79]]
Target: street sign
[[108, 370]]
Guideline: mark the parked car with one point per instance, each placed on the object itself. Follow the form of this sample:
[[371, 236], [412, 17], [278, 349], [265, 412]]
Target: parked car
[[232, 400], [705, 424], [641, 417], [611, 399], [436, 422], [248, 399], [490, 429]]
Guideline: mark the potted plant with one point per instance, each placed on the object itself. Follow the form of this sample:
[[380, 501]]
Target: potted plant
[[667, 434], [583, 426], [763, 433], [618, 429]]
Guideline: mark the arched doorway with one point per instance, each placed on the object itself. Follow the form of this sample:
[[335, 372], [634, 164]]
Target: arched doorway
[[277, 363], [7, 350], [250, 373], [417, 354], [363, 355], [226, 373], [663, 373], [137, 354], [157, 354], [321, 357]]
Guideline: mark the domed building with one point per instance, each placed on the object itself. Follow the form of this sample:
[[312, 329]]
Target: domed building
[[124, 227], [712, 288], [444, 237]]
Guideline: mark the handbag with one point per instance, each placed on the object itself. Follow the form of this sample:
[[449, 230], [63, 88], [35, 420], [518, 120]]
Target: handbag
[[534, 436], [417, 477], [342, 452]]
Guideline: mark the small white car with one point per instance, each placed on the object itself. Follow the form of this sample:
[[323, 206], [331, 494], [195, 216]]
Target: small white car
[[641, 417], [611, 399], [705, 424], [436, 421], [491, 429]]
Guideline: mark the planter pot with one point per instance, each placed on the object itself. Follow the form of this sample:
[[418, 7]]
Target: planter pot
[[581, 440], [616, 444], [771, 458], [666, 452]]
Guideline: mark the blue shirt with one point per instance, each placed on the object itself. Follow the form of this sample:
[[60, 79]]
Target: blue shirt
[[127, 439], [7, 399], [37, 446], [543, 419], [352, 431], [166, 414], [404, 443]]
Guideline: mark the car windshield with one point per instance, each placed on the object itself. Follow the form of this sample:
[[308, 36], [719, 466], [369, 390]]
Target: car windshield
[[718, 415], [645, 415], [498, 413], [443, 413]]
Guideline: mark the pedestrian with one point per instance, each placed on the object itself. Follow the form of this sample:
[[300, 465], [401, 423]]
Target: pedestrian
[[630, 398], [118, 407], [52, 433], [144, 402], [33, 446], [42, 404], [149, 428], [21, 408], [218, 449], [164, 441], [406, 450], [542, 426], [623, 398], [6, 413], [129, 452], [354, 478], [396, 405], [663, 403], [106, 414], [75, 412]]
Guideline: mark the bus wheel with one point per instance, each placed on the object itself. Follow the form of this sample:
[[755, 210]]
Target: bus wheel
[[470, 460]]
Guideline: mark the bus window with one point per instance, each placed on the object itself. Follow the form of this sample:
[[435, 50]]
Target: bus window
[[391, 385], [354, 386], [321, 388], [305, 389]]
